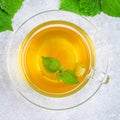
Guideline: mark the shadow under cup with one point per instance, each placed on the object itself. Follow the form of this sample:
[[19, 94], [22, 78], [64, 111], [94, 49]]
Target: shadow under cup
[[58, 101]]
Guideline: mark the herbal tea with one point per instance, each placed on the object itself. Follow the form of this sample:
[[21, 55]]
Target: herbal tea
[[60, 46]]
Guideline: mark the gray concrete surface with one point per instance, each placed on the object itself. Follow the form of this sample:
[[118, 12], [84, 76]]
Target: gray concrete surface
[[105, 105]]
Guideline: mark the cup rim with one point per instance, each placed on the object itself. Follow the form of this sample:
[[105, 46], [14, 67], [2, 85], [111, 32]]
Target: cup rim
[[47, 11]]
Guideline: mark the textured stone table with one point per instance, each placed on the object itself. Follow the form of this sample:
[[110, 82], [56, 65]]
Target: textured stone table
[[105, 105]]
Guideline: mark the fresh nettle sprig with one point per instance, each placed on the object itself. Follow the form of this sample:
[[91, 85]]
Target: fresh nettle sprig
[[52, 65], [8, 8], [92, 7]]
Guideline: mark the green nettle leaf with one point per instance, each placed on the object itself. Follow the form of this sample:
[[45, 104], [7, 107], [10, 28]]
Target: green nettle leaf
[[111, 7], [89, 7], [70, 5], [82, 7], [7, 10], [5, 21], [92, 7], [68, 77], [50, 64], [10, 6]]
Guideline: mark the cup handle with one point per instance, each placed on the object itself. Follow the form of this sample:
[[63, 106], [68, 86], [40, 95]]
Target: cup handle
[[100, 77]]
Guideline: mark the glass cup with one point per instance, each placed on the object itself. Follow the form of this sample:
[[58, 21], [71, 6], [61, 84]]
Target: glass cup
[[97, 77]]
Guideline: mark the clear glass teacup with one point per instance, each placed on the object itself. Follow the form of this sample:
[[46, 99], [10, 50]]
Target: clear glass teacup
[[95, 79]]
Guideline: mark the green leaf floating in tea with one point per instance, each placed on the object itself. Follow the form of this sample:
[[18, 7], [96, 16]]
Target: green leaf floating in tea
[[68, 77], [52, 65]]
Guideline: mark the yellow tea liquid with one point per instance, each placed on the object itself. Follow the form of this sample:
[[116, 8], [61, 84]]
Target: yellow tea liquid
[[61, 40]]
